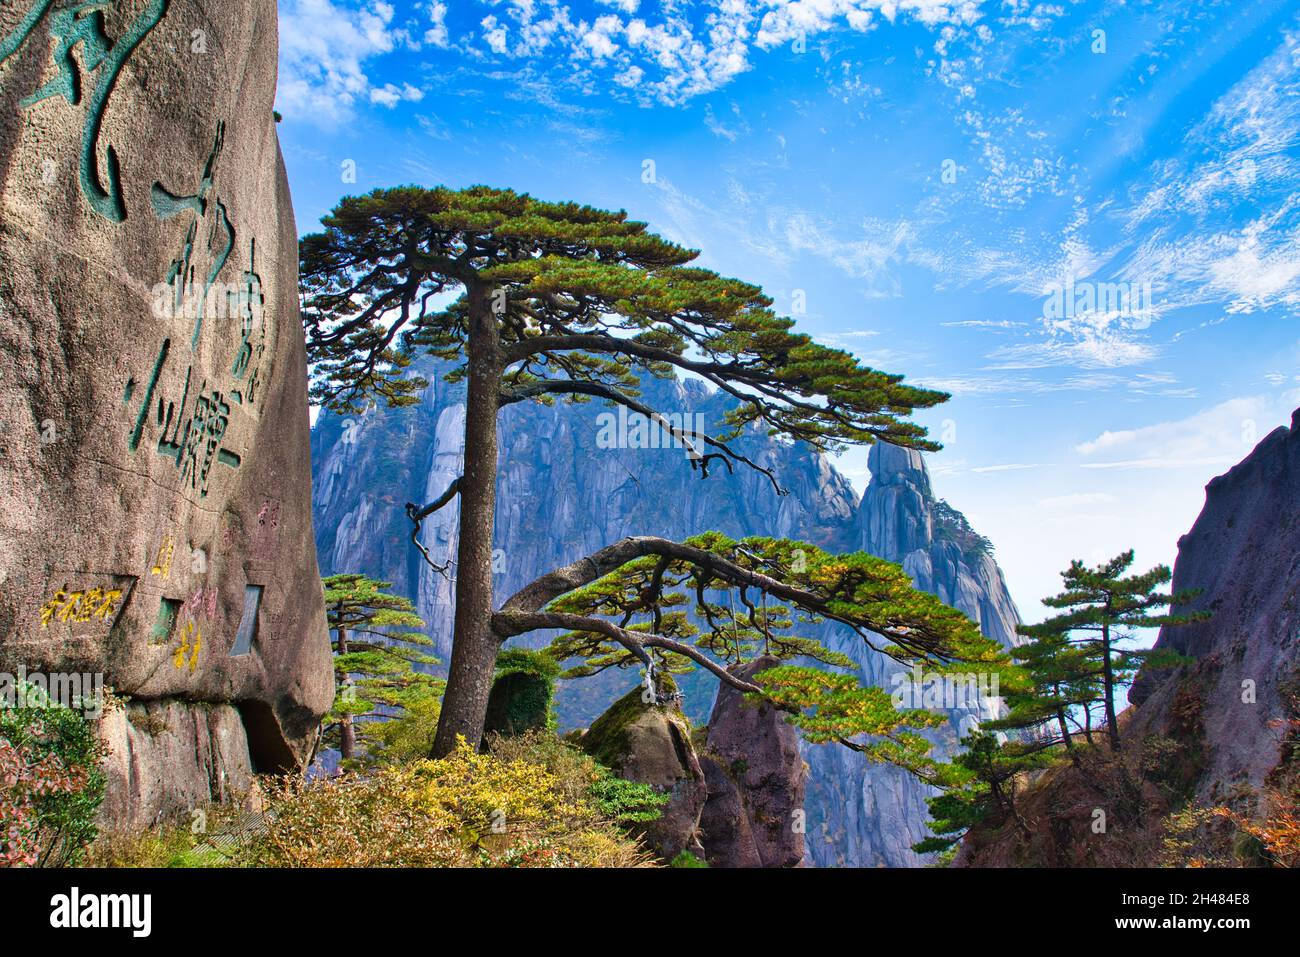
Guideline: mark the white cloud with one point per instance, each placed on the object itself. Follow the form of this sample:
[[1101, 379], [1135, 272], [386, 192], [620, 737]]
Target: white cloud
[[1244, 155], [685, 49], [1220, 435], [437, 34], [390, 94], [1009, 467], [323, 49], [720, 129], [495, 34], [873, 252], [600, 38], [983, 324], [1084, 348]]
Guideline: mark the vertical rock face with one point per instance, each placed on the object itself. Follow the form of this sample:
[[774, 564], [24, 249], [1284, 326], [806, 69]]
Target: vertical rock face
[[871, 816], [1243, 553], [155, 520], [754, 814], [563, 494]]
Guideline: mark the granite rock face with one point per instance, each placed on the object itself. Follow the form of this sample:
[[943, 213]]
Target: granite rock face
[[1243, 552], [754, 815], [651, 744], [866, 815], [171, 757], [563, 494], [155, 518]]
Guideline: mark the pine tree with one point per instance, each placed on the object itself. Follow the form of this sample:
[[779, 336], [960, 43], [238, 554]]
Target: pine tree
[[669, 607], [978, 787], [376, 648], [560, 300], [1083, 642], [1062, 678], [1072, 662]]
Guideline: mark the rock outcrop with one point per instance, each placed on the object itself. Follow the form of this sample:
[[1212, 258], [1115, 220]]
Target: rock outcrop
[[754, 814], [562, 494], [1243, 553], [155, 522], [651, 744], [150, 741], [519, 702]]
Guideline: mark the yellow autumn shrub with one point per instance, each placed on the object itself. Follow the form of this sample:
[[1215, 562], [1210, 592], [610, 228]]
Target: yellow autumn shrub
[[514, 809]]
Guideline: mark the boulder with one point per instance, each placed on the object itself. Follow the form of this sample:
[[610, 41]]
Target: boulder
[[168, 758], [753, 816], [651, 744], [519, 702], [155, 515]]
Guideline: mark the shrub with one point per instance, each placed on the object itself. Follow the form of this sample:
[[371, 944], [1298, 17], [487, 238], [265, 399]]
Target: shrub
[[409, 736], [527, 805], [163, 846], [687, 859], [523, 693], [582, 779], [350, 821], [627, 802], [51, 783], [1278, 834]]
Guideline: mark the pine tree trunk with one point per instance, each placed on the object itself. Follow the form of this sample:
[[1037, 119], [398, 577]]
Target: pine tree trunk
[[1112, 729], [474, 644], [347, 738], [1065, 731], [347, 731], [1062, 723], [1066, 736]]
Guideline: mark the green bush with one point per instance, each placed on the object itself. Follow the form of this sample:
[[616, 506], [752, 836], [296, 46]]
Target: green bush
[[523, 693], [687, 859], [51, 783], [626, 802], [409, 736]]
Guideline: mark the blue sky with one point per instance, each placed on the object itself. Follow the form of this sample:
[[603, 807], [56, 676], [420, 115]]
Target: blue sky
[[918, 182]]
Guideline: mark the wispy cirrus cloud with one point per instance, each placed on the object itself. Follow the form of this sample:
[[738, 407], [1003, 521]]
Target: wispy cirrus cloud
[[1220, 435], [1222, 220]]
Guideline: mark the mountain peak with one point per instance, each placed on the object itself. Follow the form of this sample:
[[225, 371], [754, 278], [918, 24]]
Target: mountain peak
[[895, 465]]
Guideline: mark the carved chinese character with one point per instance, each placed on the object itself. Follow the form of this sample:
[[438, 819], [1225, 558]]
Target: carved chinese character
[[82, 24]]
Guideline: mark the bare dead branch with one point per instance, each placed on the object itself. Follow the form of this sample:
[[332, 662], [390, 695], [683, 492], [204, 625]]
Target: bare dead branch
[[418, 514]]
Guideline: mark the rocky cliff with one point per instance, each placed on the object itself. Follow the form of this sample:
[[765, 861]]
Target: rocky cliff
[[1243, 554], [734, 788], [155, 524], [562, 494], [1217, 734], [755, 811]]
